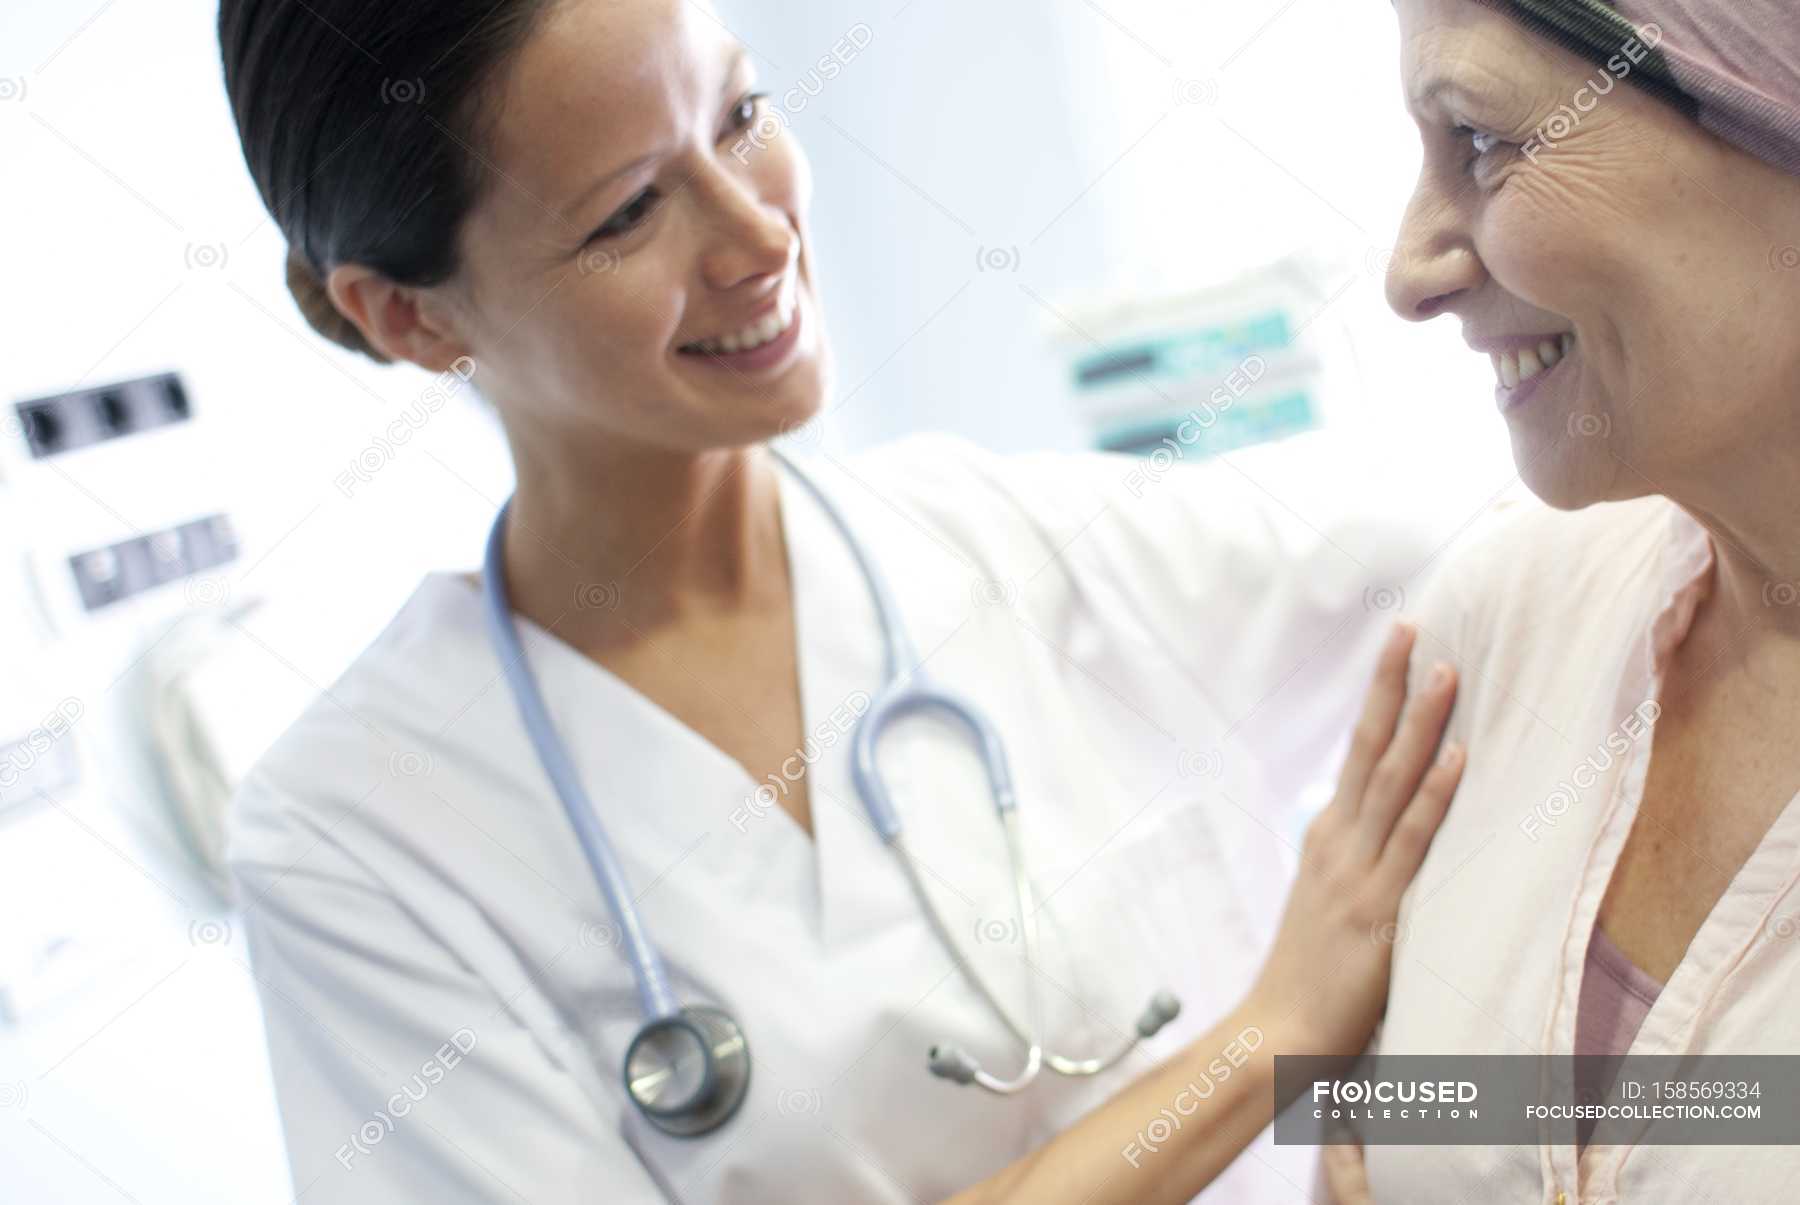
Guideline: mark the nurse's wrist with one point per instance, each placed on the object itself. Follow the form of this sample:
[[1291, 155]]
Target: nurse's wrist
[[1240, 1049], [1307, 1016], [1284, 1028]]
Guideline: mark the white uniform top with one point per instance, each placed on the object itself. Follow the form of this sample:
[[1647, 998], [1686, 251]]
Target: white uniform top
[[1171, 659]]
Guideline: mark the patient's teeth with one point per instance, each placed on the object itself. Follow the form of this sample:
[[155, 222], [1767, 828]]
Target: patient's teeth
[[1515, 367]]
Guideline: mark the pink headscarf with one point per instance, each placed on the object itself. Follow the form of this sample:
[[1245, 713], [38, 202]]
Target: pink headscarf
[[1733, 65]]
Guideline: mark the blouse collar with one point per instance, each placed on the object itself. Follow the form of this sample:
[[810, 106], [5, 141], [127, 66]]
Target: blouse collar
[[1685, 581]]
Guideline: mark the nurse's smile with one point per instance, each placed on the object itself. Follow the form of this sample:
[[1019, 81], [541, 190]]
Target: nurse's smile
[[768, 342]]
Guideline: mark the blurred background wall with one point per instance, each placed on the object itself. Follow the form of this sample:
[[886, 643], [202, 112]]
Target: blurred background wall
[[989, 176]]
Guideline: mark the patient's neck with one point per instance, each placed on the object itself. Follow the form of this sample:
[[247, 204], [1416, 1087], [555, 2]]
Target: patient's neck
[[1755, 591]]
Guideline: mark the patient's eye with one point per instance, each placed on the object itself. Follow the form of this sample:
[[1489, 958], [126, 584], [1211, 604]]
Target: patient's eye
[[1481, 152], [1479, 141]]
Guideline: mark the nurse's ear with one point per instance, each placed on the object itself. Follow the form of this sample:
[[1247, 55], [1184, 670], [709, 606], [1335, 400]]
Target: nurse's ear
[[385, 320]]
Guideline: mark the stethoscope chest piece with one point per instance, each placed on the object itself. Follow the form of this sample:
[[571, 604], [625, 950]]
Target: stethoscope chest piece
[[688, 1073], [688, 1069]]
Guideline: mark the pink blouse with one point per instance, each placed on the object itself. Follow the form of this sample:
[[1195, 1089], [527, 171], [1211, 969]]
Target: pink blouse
[[1562, 625]]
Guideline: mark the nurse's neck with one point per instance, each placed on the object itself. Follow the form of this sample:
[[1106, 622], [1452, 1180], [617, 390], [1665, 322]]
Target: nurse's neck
[[607, 548]]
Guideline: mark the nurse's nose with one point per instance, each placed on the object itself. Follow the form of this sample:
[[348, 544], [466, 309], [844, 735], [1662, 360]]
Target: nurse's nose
[[748, 239]]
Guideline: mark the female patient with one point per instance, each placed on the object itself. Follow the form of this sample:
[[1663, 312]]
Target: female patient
[[1613, 216]]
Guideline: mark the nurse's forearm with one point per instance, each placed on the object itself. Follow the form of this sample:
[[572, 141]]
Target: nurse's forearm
[[1106, 1159], [1326, 975]]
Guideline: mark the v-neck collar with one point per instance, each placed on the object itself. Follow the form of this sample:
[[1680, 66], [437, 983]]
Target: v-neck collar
[[662, 790], [841, 666], [673, 797]]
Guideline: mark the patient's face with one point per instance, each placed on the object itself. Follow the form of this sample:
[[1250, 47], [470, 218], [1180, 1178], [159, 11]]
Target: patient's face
[[1558, 204]]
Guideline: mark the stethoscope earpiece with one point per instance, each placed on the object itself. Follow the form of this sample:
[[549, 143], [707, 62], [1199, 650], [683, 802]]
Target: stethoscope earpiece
[[949, 1062], [957, 1065], [1162, 1009]]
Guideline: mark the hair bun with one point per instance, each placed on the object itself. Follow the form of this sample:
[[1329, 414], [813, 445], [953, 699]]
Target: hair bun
[[319, 310]]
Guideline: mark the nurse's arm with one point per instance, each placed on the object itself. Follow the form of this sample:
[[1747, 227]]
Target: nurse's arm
[[1321, 991]]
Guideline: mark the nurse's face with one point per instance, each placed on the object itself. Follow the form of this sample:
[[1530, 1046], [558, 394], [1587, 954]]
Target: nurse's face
[[1588, 233], [637, 269]]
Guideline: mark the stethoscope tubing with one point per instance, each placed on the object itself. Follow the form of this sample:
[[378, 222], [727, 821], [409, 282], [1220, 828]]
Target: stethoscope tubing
[[905, 691], [655, 997]]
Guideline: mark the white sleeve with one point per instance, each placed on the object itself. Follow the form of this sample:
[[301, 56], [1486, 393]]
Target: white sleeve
[[401, 1074], [1269, 578]]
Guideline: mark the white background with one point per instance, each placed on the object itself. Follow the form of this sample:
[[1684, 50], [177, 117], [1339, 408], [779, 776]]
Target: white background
[[1110, 149]]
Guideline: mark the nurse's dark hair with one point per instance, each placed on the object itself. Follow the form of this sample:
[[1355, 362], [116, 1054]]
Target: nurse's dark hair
[[362, 122]]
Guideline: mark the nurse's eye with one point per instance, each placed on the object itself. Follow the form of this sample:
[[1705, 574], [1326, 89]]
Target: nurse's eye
[[743, 113], [629, 216]]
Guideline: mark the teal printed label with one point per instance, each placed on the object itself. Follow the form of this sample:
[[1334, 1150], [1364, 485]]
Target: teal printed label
[[1185, 355], [1225, 430]]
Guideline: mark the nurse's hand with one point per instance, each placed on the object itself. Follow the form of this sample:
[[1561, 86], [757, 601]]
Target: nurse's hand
[[1346, 1178], [1320, 992], [1325, 983]]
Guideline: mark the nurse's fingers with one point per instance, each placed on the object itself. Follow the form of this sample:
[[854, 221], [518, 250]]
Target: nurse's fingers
[[1375, 728], [1345, 1174], [1402, 768], [1418, 824]]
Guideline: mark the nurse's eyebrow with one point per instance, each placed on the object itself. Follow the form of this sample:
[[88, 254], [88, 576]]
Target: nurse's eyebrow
[[574, 208]]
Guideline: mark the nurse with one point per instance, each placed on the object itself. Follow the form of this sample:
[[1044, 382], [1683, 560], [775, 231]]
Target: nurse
[[548, 196]]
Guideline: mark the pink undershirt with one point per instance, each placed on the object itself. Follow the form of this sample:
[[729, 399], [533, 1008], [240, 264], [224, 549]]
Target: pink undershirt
[[1615, 998]]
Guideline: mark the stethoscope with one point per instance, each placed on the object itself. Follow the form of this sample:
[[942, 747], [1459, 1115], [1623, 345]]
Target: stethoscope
[[688, 1068]]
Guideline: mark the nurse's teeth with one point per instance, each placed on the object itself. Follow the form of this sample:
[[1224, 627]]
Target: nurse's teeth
[[753, 336], [1512, 367]]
